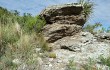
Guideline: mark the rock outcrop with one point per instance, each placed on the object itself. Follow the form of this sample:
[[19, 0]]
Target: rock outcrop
[[63, 20], [63, 32]]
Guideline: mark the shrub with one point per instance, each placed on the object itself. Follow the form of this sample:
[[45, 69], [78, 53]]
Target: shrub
[[27, 21], [9, 36], [108, 30], [92, 28], [40, 22], [18, 39], [30, 23]]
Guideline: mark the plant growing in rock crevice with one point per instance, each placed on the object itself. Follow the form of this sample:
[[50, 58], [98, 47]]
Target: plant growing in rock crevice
[[87, 7]]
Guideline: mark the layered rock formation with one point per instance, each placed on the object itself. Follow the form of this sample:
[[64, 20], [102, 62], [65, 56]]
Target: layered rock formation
[[63, 20]]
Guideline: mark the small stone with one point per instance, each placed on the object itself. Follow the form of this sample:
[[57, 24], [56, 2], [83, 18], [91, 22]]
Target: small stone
[[50, 65], [59, 61], [16, 61], [38, 49], [50, 59]]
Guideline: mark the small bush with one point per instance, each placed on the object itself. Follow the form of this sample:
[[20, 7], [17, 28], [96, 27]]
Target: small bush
[[92, 28], [40, 22], [30, 23]]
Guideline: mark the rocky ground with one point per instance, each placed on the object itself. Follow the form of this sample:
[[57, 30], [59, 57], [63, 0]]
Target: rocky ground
[[63, 32], [79, 48]]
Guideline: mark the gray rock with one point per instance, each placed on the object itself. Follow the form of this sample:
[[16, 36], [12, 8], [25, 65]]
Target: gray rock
[[17, 61], [74, 43], [103, 36], [59, 61]]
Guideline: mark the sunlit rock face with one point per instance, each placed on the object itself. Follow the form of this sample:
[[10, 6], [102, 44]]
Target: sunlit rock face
[[62, 20], [64, 34]]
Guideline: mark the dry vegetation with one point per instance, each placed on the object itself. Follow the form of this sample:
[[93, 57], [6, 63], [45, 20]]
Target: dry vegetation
[[20, 36]]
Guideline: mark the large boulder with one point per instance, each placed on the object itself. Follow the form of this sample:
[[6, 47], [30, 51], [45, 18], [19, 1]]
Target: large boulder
[[62, 20]]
